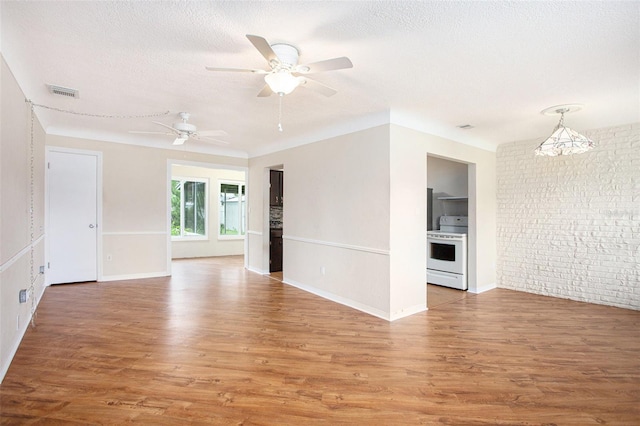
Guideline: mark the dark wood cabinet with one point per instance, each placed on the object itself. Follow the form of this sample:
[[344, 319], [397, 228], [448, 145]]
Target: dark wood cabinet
[[275, 250], [276, 190], [275, 234]]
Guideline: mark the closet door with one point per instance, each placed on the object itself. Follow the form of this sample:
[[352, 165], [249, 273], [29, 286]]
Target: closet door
[[73, 229]]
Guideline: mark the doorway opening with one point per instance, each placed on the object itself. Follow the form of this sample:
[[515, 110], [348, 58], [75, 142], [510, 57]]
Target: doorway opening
[[276, 222], [450, 224], [206, 210]]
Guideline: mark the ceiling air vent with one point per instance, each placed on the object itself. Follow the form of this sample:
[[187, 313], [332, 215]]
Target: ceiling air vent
[[63, 91]]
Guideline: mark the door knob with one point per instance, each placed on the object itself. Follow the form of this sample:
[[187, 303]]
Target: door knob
[[91, 225]]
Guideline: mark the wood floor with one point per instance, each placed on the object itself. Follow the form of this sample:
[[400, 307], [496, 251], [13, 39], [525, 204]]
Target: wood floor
[[439, 296], [276, 275], [216, 344]]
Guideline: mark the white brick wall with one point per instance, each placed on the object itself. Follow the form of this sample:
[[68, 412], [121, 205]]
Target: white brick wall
[[569, 226]]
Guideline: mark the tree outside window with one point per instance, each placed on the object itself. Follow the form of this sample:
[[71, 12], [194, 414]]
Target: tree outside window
[[188, 208], [232, 207]]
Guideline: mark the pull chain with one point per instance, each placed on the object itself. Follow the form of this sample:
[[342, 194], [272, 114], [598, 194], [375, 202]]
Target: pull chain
[[280, 96]]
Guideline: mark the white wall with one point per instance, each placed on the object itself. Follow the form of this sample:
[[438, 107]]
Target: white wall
[[407, 226], [335, 215], [374, 257], [212, 246], [21, 239], [135, 228], [570, 226]]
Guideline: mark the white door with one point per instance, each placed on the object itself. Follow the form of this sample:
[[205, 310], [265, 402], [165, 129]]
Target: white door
[[72, 233]]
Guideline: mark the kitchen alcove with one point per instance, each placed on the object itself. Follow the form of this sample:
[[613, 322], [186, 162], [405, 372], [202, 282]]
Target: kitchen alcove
[[448, 180]]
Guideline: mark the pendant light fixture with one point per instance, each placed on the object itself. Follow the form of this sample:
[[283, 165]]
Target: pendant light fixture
[[563, 140]]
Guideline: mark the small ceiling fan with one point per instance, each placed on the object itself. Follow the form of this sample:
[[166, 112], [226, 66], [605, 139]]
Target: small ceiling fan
[[285, 73], [184, 131]]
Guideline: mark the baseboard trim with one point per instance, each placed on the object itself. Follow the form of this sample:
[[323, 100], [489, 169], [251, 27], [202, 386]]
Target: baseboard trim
[[407, 312], [134, 276], [109, 233], [14, 349], [256, 271], [484, 288], [338, 299], [23, 329]]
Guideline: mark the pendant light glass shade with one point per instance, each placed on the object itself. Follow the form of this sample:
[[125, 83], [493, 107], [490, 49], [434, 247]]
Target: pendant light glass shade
[[281, 82], [564, 141]]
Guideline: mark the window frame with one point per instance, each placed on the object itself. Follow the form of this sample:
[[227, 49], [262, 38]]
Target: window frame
[[207, 189], [242, 215]]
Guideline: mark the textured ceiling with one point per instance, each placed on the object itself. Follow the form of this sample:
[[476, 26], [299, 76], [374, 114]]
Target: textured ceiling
[[429, 65]]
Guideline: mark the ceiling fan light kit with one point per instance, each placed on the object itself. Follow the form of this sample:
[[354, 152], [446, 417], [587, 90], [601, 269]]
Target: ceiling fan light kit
[[284, 74], [282, 82], [180, 140], [563, 140]]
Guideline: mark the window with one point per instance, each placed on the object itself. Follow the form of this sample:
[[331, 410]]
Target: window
[[189, 208], [232, 210]]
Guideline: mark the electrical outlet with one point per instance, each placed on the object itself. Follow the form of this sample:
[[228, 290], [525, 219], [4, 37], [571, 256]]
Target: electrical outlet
[[22, 296], [42, 269], [322, 270]]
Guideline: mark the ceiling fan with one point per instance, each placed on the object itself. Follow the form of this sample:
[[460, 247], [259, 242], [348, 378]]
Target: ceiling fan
[[285, 74], [183, 131]]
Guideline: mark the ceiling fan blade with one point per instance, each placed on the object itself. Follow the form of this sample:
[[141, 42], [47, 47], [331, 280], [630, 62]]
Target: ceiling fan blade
[[263, 47], [237, 70], [318, 87], [266, 91], [151, 133], [214, 140], [214, 133], [168, 127], [326, 65]]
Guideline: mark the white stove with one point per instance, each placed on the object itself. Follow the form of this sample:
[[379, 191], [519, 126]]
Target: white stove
[[447, 253], [453, 224], [453, 235]]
